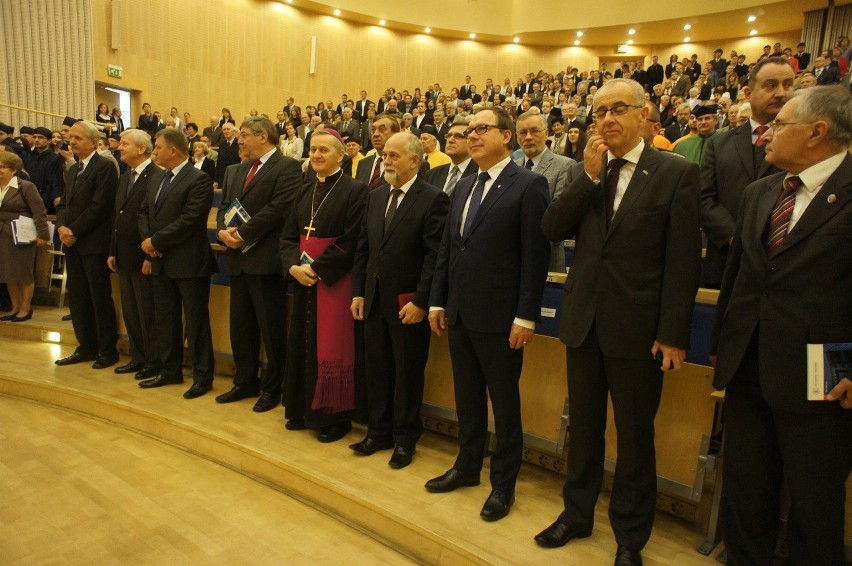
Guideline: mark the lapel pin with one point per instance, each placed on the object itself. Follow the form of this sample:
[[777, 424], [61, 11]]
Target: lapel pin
[[644, 171], [832, 199]]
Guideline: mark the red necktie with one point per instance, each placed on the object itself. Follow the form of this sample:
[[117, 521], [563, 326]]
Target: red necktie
[[377, 174], [781, 215], [251, 173], [760, 130]]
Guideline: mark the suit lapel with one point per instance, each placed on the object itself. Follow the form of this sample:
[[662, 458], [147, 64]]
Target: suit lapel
[[258, 174], [820, 210], [410, 197], [173, 186], [544, 162], [743, 145], [765, 204], [645, 169], [497, 190]]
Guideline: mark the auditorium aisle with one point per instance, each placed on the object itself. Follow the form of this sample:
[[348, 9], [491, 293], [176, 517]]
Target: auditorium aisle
[[97, 470]]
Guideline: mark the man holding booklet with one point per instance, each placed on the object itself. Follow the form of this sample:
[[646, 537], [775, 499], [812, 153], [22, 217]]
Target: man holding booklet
[[788, 284]]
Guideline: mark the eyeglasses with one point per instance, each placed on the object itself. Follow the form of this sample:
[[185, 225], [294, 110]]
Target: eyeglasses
[[456, 136], [617, 110], [531, 131], [481, 129], [776, 125]]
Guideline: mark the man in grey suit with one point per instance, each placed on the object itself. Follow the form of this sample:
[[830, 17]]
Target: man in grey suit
[[348, 125], [532, 136]]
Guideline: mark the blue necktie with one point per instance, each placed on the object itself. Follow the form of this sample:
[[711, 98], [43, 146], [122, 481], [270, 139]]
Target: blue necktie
[[167, 180], [475, 201]]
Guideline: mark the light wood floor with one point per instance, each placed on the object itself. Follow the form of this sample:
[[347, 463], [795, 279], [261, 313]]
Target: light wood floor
[[351, 492]]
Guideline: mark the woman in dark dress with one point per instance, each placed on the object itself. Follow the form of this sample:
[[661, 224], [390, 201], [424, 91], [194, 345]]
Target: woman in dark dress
[[317, 251], [18, 199]]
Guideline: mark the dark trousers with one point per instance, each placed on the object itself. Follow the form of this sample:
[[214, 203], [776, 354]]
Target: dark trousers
[[635, 387], [484, 365], [396, 362], [90, 299], [767, 447], [137, 309], [258, 310], [193, 294]]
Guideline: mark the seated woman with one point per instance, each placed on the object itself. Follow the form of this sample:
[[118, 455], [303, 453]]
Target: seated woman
[[19, 199], [200, 160], [291, 145]]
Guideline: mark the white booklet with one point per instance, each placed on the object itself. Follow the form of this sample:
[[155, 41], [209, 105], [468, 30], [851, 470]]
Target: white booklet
[[827, 365], [24, 230]]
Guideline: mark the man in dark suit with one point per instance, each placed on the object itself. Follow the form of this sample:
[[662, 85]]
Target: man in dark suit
[[361, 107], [391, 280], [127, 258], [213, 131], [229, 152], [173, 227], [371, 168], [442, 126], [629, 297], [266, 186], [347, 126], [735, 158], [825, 73], [447, 176], [84, 224], [787, 285], [464, 90], [654, 75], [486, 294], [803, 58]]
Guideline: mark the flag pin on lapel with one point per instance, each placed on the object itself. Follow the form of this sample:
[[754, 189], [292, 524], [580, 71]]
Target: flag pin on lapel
[[832, 199]]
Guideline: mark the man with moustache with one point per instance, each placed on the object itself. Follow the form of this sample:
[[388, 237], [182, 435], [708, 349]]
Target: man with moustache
[[126, 257]]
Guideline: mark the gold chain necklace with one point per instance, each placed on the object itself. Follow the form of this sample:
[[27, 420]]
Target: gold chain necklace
[[310, 227]]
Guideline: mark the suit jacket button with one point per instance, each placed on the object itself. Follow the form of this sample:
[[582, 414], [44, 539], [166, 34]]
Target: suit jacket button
[[462, 248]]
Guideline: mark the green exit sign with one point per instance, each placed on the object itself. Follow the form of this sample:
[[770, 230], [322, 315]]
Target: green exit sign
[[115, 71]]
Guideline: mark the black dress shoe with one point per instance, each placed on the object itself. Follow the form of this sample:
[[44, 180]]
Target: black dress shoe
[[334, 432], [66, 318], [197, 390], [160, 381], [370, 446], [237, 393], [146, 372], [9, 317], [105, 361], [497, 505], [451, 480], [401, 457], [627, 557], [129, 368], [74, 358], [559, 533], [267, 402], [295, 424], [17, 318]]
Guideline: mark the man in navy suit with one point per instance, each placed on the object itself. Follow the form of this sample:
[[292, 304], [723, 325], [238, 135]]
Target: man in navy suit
[[788, 283], [392, 277], [629, 297], [486, 294]]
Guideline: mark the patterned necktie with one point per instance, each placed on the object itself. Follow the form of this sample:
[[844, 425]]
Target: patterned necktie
[[454, 178], [167, 180], [475, 200], [781, 215], [251, 173], [377, 174], [611, 188], [759, 131], [394, 202]]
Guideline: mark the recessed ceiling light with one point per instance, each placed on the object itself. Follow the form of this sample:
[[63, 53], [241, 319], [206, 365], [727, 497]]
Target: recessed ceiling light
[[382, 22], [428, 30], [686, 40], [629, 42], [753, 32], [751, 19], [631, 31], [576, 42], [337, 12], [687, 27], [517, 40], [472, 36], [289, 1], [579, 34]]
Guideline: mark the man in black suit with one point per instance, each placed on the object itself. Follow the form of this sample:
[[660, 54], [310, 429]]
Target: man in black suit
[[173, 227], [486, 294], [213, 132], [84, 224], [735, 158], [447, 176], [371, 168], [803, 58], [266, 186], [464, 90], [127, 258], [391, 279], [281, 124], [361, 107], [629, 298], [654, 75], [825, 73], [229, 152], [787, 285], [680, 124]]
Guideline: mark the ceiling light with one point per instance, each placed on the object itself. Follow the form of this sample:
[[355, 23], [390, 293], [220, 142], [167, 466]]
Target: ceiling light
[[629, 42], [751, 19], [579, 34], [631, 31], [576, 42], [687, 27], [686, 40], [289, 1], [517, 40], [382, 22], [753, 32], [472, 36], [337, 12], [428, 30]]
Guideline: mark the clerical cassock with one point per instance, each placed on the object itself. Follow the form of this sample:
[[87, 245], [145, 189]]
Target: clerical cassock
[[322, 231]]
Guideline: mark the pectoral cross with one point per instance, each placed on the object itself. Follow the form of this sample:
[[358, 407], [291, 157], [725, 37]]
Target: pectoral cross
[[309, 228]]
